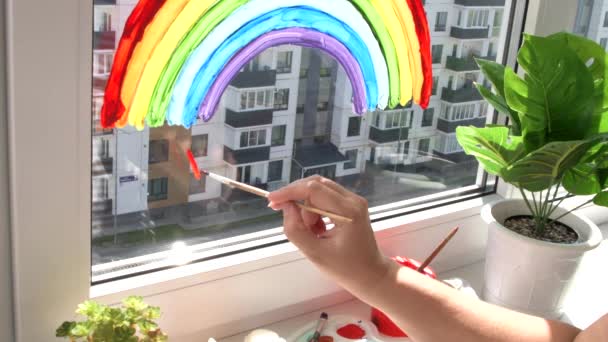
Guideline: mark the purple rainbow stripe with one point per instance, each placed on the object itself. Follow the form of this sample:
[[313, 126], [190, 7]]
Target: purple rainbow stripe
[[296, 36]]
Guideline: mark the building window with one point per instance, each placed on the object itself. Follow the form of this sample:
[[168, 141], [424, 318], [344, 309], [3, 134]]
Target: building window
[[449, 144], [352, 159], [478, 18], [441, 21], [396, 119], [275, 171], [284, 59], [159, 151], [437, 53], [243, 174], [406, 149], [200, 145], [253, 138], [435, 83], [101, 189], [603, 42], [158, 189], [354, 126], [256, 99], [281, 99], [197, 186], [278, 135], [102, 63], [423, 147], [427, 117], [606, 19]]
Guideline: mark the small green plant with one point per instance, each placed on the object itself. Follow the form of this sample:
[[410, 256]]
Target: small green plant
[[558, 123], [133, 322]]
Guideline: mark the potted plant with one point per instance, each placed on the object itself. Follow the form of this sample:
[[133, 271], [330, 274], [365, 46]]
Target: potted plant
[[134, 321], [558, 117]]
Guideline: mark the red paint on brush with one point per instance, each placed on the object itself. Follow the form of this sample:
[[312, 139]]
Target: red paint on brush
[[194, 165], [424, 37], [351, 332], [113, 109]]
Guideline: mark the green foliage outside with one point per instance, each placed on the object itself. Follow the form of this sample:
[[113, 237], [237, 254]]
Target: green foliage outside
[[133, 322], [558, 120]]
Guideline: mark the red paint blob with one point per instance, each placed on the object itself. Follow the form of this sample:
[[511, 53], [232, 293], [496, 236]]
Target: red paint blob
[[326, 339], [351, 332], [193, 165]]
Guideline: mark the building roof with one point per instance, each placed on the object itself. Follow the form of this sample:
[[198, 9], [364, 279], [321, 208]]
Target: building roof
[[318, 154]]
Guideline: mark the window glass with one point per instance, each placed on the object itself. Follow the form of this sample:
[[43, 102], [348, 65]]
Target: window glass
[[427, 117], [351, 155], [278, 135], [437, 53], [159, 151], [197, 186], [199, 145], [354, 126], [284, 62], [143, 178], [158, 189], [281, 99], [441, 21], [275, 170]]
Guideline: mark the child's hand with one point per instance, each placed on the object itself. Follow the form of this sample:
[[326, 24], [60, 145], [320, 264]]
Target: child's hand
[[348, 252]]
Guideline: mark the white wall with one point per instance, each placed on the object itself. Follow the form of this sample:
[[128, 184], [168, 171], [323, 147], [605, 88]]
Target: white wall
[[6, 306]]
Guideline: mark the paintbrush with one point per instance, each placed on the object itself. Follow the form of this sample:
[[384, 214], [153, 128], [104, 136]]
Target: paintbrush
[[319, 328], [437, 250], [259, 192]]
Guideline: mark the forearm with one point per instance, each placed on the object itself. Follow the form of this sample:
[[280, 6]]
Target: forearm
[[431, 311]]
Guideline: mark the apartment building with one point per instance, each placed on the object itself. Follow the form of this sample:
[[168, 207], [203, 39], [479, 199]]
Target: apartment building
[[592, 21], [288, 115]]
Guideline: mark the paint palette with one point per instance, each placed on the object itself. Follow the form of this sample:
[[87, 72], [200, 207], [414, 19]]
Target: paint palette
[[363, 330], [345, 322]]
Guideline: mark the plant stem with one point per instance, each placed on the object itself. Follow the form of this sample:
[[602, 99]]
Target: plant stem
[[569, 211], [523, 194]]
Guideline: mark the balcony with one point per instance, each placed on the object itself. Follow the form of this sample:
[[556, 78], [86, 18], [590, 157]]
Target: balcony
[[103, 207], [469, 33], [247, 119], [461, 95], [246, 156], [253, 79], [104, 166], [466, 63], [480, 3], [104, 40], [446, 126], [388, 135]]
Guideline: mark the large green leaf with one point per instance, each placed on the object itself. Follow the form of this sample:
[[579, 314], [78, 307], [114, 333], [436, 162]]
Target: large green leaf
[[495, 73], [553, 100], [544, 167], [582, 180], [601, 199], [594, 56], [491, 146]]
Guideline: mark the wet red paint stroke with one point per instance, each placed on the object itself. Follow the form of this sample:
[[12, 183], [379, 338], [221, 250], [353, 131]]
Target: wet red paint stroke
[[141, 16], [424, 37], [194, 165], [351, 332]]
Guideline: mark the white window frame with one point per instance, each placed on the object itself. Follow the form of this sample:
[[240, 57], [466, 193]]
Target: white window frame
[[267, 99], [51, 249]]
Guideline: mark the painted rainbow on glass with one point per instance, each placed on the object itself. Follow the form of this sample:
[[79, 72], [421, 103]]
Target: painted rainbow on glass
[[176, 57]]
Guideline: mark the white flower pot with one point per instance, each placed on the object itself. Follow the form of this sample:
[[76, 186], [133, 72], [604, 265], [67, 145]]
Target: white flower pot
[[529, 275]]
